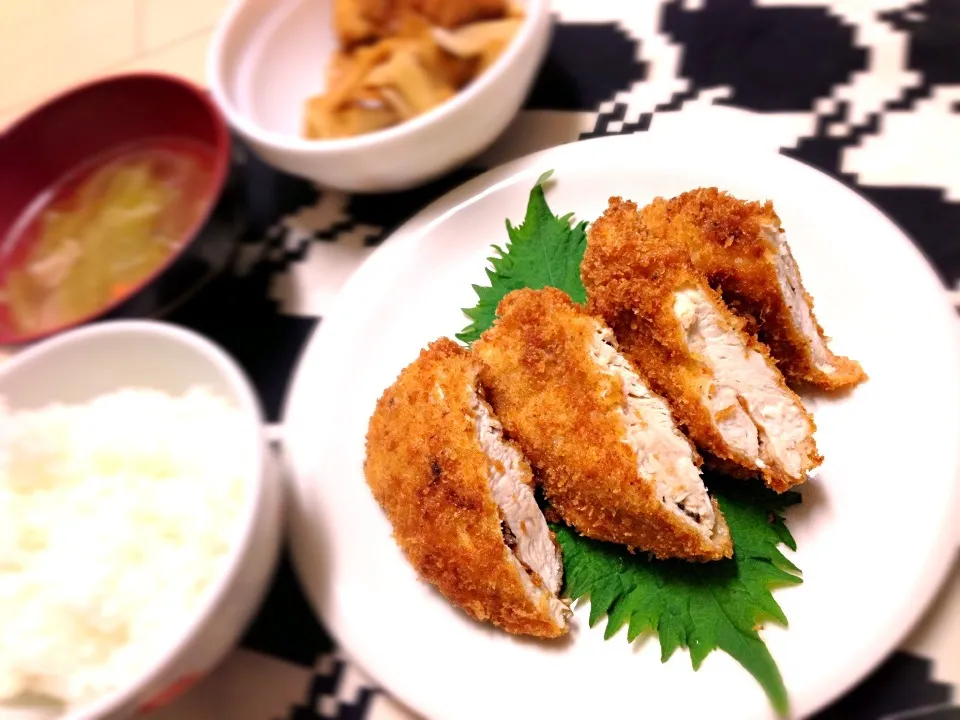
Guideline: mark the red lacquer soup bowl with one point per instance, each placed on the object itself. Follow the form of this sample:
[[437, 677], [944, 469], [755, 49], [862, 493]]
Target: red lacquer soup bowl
[[110, 204]]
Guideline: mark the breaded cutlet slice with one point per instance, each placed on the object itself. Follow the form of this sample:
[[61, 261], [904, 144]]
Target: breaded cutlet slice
[[721, 384], [742, 249], [460, 497], [608, 456]]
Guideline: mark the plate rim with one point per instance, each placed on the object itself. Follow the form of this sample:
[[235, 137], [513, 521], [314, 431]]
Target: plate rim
[[474, 190]]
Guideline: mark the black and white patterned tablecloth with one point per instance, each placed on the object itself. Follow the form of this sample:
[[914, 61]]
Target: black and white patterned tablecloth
[[866, 90]]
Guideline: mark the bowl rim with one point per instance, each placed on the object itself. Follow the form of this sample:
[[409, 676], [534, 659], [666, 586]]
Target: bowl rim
[[221, 167], [536, 14], [247, 402]]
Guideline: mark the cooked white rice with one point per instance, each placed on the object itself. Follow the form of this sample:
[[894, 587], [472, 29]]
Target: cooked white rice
[[115, 516]]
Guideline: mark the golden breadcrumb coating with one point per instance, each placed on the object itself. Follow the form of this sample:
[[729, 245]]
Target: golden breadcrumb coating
[[426, 468], [632, 275], [565, 414], [733, 243]]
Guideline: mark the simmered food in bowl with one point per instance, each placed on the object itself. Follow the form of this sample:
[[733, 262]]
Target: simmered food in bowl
[[401, 58], [101, 231]]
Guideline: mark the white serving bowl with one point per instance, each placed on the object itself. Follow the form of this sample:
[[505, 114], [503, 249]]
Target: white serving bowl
[[78, 365], [268, 56]]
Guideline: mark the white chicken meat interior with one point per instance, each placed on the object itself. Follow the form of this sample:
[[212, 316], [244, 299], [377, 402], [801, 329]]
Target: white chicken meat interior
[[530, 544], [746, 386], [664, 455], [788, 276]]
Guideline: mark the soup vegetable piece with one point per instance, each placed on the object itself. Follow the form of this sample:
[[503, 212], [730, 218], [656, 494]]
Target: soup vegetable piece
[[400, 58], [101, 232], [116, 516], [700, 606], [460, 496]]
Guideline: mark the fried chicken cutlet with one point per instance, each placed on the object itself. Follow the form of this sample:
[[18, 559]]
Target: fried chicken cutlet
[[742, 249], [460, 497], [721, 383], [608, 456]]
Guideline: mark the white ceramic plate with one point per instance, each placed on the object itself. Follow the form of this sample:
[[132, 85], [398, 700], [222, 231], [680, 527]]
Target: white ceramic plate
[[875, 531]]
